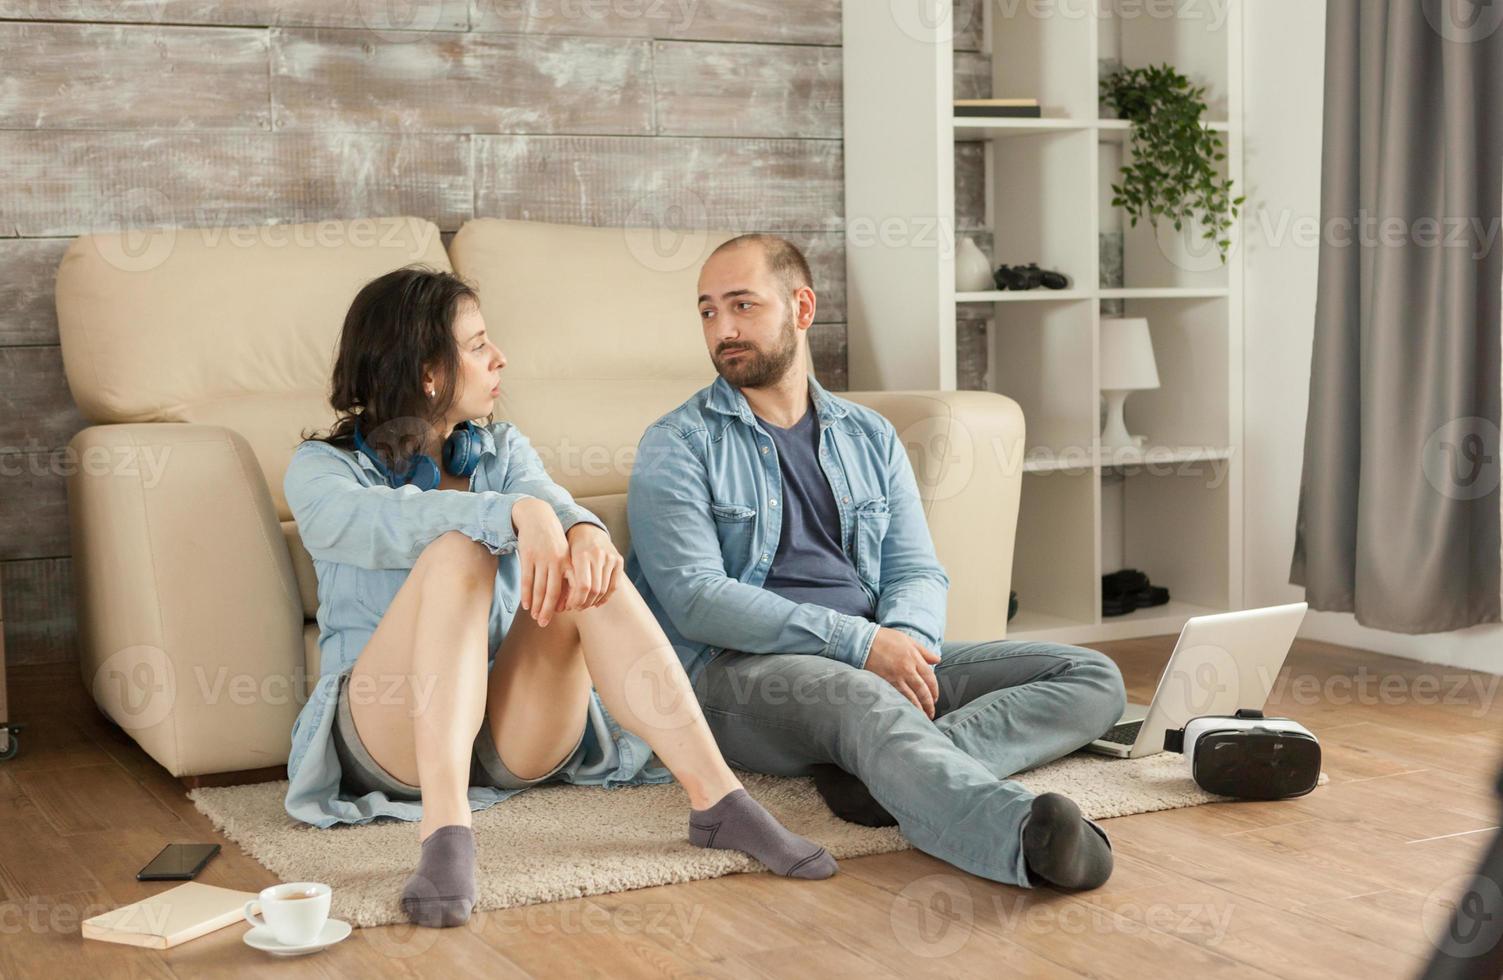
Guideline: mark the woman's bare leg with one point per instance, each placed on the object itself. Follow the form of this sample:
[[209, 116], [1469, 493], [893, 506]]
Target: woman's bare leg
[[643, 685], [417, 690], [539, 697]]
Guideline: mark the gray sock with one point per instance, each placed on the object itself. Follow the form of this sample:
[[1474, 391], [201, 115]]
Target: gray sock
[[441, 892], [739, 823], [1060, 847]]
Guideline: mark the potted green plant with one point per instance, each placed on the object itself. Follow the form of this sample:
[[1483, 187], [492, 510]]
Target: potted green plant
[[1173, 169]]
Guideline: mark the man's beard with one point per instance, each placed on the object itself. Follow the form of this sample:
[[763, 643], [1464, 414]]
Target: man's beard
[[756, 368]]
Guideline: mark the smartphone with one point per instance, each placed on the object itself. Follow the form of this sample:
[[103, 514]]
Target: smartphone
[[178, 862]]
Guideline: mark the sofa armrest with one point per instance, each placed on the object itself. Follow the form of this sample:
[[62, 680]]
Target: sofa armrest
[[190, 625], [967, 453]]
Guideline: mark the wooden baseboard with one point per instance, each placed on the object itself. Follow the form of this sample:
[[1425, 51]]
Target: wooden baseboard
[[237, 778]]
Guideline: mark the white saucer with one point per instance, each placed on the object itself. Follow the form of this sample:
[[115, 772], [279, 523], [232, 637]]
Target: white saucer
[[260, 937]]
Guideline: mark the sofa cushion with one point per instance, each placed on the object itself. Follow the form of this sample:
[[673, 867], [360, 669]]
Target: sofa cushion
[[601, 331], [228, 326]]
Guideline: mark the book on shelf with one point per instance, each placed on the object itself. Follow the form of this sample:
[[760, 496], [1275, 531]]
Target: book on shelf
[[998, 108], [168, 918]]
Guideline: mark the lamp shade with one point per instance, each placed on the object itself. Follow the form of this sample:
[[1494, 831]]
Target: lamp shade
[[1127, 355]]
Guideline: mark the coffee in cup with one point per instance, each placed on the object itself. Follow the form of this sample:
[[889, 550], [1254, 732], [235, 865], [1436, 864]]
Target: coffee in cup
[[294, 912]]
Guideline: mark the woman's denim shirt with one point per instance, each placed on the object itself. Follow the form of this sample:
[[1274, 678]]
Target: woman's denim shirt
[[705, 525], [364, 536]]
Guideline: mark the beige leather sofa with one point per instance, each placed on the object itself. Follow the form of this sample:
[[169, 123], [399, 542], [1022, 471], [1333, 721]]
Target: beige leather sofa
[[201, 355]]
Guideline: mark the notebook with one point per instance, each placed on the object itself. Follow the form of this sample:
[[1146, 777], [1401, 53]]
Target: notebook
[[168, 918]]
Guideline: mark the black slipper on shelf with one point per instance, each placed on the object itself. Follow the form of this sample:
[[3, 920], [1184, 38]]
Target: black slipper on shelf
[[1154, 595], [1128, 589], [1123, 581]]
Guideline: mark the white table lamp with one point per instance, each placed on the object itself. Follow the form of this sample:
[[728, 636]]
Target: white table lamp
[[1126, 366]]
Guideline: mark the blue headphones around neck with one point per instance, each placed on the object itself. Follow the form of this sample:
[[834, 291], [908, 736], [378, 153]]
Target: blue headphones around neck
[[461, 455]]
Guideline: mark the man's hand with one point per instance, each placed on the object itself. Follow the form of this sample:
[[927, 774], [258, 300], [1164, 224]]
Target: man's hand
[[543, 552], [594, 567], [905, 664]]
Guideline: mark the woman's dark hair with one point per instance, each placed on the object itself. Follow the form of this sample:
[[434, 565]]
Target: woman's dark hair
[[397, 325]]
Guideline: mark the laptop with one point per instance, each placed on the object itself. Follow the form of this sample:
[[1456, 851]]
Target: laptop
[[1221, 663]]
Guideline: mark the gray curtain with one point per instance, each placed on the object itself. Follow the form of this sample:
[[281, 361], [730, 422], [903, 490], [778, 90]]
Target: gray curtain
[[1399, 500]]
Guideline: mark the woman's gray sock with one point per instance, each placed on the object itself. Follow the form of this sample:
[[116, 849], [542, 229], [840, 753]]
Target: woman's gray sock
[[1060, 847], [441, 892], [739, 823]]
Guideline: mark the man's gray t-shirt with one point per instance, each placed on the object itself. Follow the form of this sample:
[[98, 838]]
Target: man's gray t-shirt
[[810, 565]]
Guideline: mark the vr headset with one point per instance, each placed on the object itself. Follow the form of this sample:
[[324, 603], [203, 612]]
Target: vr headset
[[1248, 756]]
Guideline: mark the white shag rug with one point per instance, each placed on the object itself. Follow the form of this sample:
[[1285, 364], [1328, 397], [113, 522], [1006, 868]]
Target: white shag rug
[[556, 841]]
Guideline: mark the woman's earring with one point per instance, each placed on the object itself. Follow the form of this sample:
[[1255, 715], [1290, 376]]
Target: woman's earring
[[430, 392]]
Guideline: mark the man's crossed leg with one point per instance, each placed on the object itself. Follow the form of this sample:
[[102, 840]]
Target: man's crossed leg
[[1004, 707]]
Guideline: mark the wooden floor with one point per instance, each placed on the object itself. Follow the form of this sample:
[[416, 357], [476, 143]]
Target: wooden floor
[[1336, 884]]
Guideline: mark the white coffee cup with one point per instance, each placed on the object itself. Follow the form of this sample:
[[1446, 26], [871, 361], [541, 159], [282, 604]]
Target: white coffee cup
[[293, 911]]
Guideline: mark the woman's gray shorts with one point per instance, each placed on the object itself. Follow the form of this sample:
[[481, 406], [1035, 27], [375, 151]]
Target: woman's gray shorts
[[362, 774]]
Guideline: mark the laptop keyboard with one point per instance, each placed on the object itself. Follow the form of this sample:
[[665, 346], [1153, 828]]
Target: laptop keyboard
[[1124, 734]]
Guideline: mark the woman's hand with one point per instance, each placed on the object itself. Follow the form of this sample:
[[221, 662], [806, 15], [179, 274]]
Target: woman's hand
[[543, 552], [594, 567]]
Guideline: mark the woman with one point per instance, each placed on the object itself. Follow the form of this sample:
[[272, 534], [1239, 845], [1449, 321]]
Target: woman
[[436, 697]]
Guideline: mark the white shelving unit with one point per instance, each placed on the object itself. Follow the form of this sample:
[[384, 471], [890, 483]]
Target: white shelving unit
[[1048, 200]]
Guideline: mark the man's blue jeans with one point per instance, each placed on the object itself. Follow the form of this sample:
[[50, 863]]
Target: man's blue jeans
[[1004, 707]]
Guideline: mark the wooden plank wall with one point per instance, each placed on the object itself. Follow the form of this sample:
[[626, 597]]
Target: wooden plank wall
[[194, 112]]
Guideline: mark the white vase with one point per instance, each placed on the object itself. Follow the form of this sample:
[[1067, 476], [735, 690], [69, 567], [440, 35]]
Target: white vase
[[973, 270]]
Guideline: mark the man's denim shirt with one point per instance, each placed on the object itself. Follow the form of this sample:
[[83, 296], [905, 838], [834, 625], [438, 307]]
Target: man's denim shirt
[[705, 523], [365, 536]]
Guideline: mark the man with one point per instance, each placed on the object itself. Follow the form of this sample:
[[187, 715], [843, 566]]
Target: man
[[779, 538]]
